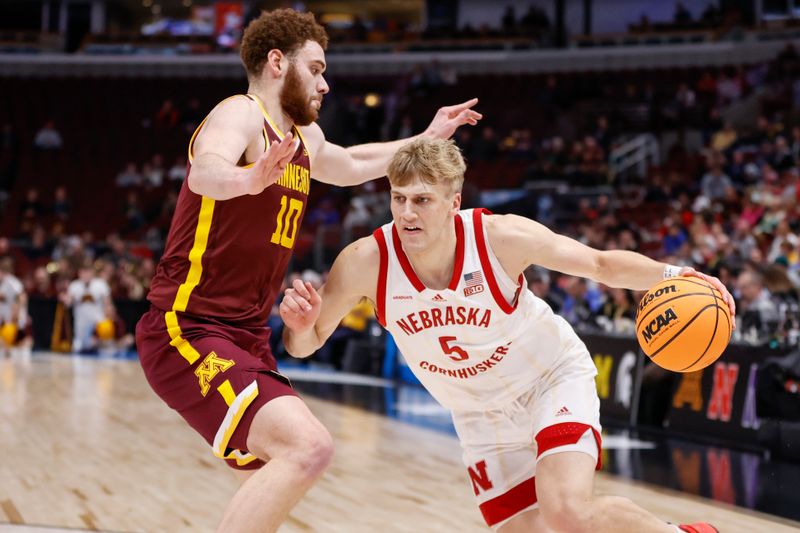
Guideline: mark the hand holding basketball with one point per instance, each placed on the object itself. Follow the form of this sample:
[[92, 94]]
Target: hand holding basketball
[[717, 284], [684, 323]]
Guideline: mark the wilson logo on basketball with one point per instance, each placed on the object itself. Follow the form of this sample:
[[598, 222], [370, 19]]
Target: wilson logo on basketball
[[649, 297], [658, 323]]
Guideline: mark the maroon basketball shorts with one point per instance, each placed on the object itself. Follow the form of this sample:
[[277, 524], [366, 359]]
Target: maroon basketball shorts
[[216, 376]]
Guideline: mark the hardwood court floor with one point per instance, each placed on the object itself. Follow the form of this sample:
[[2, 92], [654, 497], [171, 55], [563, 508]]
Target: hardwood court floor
[[86, 445]]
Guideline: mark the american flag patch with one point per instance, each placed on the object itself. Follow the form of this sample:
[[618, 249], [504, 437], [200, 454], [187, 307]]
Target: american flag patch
[[473, 283], [473, 278]]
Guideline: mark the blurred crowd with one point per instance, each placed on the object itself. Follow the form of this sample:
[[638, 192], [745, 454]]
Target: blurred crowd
[[727, 205]]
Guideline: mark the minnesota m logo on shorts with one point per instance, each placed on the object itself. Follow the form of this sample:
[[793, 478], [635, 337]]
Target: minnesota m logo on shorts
[[209, 368]]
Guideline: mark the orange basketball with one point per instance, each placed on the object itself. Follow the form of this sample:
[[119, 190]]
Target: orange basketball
[[683, 324], [105, 329], [8, 332]]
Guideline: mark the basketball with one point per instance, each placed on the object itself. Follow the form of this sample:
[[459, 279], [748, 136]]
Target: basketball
[[105, 330], [683, 324], [8, 332]]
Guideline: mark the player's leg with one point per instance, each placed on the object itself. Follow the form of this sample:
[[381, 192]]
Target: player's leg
[[297, 447], [530, 521], [566, 421], [243, 409], [243, 475], [567, 503]]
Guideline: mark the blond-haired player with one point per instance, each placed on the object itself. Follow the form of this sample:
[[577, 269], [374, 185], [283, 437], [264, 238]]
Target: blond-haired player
[[520, 383]]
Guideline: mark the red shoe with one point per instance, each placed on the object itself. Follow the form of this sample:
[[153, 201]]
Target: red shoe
[[700, 527]]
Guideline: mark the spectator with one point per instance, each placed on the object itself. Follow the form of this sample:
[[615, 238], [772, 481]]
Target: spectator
[[618, 311], [358, 214], [192, 116], [167, 116], [133, 212], [129, 177], [178, 170], [48, 137], [782, 234], [539, 284], [61, 203], [782, 158], [157, 170], [14, 308], [486, 147], [88, 296], [729, 88], [715, 184], [757, 313], [324, 214], [534, 22], [40, 285], [509, 21], [406, 127], [32, 208], [796, 144], [9, 159], [580, 302], [152, 177], [683, 16], [724, 138], [602, 133], [675, 237]]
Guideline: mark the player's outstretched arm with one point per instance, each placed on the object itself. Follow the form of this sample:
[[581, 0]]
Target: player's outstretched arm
[[520, 242], [230, 128], [311, 318], [350, 166]]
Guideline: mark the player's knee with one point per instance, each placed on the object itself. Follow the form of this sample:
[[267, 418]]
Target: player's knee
[[568, 514], [313, 452]]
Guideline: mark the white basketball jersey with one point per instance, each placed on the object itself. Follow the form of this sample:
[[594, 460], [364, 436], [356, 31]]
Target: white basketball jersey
[[485, 339], [10, 290]]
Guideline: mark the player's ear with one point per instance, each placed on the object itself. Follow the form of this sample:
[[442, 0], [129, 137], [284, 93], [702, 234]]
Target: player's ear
[[275, 62], [456, 206]]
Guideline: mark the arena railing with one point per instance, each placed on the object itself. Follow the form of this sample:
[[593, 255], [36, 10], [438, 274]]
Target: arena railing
[[464, 62]]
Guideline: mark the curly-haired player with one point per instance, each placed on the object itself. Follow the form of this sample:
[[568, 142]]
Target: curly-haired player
[[203, 344]]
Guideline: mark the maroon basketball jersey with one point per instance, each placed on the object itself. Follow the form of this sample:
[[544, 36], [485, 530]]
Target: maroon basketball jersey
[[225, 260]]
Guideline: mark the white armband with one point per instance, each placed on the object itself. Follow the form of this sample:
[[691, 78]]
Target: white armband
[[671, 271]]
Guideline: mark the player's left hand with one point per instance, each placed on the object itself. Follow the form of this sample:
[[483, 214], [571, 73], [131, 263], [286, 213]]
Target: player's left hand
[[717, 284], [300, 306], [449, 118]]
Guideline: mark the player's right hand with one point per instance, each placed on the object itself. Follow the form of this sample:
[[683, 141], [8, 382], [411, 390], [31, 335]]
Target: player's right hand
[[300, 306], [270, 166]]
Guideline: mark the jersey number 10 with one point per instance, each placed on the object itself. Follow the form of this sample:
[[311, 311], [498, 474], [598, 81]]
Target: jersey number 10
[[288, 218]]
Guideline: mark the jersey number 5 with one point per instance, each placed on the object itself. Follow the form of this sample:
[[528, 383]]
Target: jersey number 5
[[460, 353], [287, 227]]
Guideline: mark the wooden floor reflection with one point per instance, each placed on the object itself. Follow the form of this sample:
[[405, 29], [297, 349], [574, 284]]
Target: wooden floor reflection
[[86, 445]]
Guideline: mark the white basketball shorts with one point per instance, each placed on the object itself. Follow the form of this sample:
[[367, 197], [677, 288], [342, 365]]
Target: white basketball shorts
[[502, 446]]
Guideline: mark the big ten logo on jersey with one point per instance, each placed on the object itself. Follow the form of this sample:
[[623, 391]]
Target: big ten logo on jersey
[[479, 477], [473, 283], [287, 222]]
